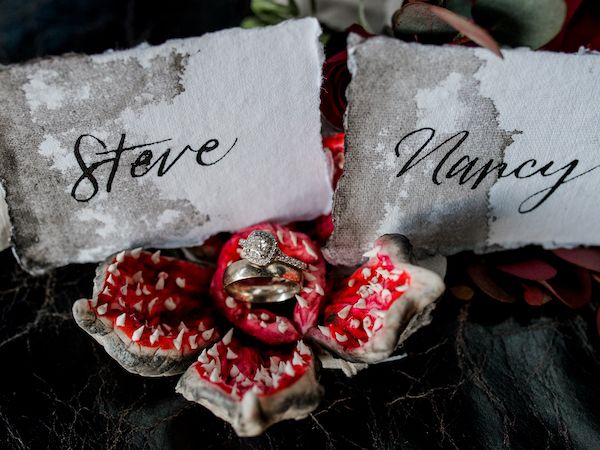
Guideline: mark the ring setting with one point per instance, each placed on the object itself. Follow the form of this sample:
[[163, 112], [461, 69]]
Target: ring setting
[[261, 249], [264, 274]]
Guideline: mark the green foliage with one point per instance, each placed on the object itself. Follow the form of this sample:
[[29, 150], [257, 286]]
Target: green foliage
[[461, 7], [362, 18], [531, 23], [270, 12]]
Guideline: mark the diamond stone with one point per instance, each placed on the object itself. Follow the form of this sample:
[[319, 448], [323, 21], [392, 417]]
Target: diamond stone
[[259, 248]]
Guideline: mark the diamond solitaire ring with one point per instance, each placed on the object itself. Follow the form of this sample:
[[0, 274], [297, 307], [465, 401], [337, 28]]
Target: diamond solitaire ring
[[260, 248], [264, 274]]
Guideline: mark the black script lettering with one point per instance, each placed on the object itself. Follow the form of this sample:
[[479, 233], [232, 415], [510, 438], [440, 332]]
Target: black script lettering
[[467, 170], [208, 147], [143, 160], [140, 167], [163, 165]]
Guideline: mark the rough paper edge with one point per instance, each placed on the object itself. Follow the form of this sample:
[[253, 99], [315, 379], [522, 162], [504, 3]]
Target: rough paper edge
[[6, 234], [5, 226], [330, 253], [337, 255]]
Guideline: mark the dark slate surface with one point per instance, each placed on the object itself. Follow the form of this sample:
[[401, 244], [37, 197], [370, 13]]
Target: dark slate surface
[[33, 28], [483, 375]]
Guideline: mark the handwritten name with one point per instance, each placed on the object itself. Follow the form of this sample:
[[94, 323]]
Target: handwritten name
[[467, 169], [209, 154]]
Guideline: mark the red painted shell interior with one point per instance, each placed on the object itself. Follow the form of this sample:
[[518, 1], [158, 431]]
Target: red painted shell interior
[[158, 301], [335, 146], [358, 310], [260, 322], [235, 367]]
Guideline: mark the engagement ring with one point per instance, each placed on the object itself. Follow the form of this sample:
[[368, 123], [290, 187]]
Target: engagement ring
[[261, 249]]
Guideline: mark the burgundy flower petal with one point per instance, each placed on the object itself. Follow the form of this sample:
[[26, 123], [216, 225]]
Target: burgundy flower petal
[[336, 78], [253, 388], [556, 43], [151, 313], [261, 323], [532, 269], [580, 29], [586, 257], [594, 43], [364, 319]]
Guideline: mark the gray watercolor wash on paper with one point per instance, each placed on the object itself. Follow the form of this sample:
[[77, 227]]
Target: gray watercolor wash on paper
[[122, 84], [388, 79]]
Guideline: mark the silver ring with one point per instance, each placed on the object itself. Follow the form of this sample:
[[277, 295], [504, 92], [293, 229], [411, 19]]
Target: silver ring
[[261, 249], [273, 283]]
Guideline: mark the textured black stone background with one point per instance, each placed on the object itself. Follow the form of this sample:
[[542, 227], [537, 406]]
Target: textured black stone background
[[483, 375]]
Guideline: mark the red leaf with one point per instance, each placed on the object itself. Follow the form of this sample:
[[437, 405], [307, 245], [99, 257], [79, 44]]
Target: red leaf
[[535, 296], [468, 28], [586, 257], [572, 287], [532, 269], [480, 275]]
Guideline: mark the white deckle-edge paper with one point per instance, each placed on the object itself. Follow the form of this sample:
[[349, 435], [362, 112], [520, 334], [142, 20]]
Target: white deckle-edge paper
[[260, 87], [529, 110]]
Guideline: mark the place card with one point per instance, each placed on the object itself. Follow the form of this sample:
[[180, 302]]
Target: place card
[[460, 150], [162, 146]]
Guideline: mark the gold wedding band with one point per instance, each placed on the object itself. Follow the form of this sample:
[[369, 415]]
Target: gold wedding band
[[275, 282]]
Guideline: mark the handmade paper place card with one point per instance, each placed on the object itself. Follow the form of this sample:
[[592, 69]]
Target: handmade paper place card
[[162, 146], [460, 150]]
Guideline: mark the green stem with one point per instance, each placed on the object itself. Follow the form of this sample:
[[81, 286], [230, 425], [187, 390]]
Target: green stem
[[362, 18]]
